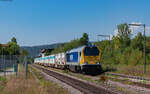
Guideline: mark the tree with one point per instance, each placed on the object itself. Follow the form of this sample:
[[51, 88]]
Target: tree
[[123, 30], [73, 44], [24, 52], [14, 40], [124, 34], [85, 39], [137, 42], [12, 48], [0, 49]]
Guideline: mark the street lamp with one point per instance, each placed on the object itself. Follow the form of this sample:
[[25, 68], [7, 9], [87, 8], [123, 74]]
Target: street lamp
[[144, 43], [108, 36]]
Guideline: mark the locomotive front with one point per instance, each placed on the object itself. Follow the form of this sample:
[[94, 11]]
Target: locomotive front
[[90, 59]]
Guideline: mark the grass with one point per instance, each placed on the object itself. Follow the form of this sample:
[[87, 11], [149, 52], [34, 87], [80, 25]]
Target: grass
[[125, 81], [128, 70], [3, 82], [48, 85], [20, 85]]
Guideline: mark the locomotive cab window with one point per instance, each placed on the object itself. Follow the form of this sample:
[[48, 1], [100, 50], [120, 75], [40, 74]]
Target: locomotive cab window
[[80, 53], [91, 51]]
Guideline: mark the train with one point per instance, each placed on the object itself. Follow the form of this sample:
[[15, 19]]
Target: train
[[85, 59]]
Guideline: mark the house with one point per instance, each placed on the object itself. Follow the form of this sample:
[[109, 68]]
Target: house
[[44, 51], [4, 45]]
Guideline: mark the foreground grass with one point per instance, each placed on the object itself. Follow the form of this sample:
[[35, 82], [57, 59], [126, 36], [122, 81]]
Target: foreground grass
[[20, 85], [3, 82], [51, 87]]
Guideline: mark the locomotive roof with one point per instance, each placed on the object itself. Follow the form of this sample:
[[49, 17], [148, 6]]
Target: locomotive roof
[[76, 49], [79, 49]]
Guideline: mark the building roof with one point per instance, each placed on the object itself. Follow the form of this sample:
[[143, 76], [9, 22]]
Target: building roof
[[4, 45], [46, 50]]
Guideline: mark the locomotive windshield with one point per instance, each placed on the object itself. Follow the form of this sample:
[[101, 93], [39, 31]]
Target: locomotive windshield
[[91, 51]]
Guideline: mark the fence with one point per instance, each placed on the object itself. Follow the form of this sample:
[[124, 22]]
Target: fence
[[9, 64], [7, 61]]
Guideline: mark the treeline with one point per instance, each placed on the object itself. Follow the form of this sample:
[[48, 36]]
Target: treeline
[[12, 48], [34, 51], [124, 49], [84, 40]]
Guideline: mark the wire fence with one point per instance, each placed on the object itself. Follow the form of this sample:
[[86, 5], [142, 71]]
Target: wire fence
[[9, 64], [7, 61]]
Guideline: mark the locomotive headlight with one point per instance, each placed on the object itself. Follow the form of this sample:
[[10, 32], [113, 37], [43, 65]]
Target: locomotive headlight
[[97, 63], [86, 63]]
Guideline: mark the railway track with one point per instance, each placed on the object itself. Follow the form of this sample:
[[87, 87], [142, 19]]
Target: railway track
[[86, 88], [137, 80], [128, 76]]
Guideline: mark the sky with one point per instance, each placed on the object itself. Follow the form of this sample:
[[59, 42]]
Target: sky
[[39, 22]]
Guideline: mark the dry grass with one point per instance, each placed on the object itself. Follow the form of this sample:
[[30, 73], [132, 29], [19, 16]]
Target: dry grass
[[132, 70], [20, 85], [2, 83]]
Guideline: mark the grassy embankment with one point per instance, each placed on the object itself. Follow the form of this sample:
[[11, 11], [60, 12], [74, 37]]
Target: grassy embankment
[[20, 85], [129, 70]]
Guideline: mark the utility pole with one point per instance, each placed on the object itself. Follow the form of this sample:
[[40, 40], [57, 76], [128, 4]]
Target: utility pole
[[108, 36], [144, 43]]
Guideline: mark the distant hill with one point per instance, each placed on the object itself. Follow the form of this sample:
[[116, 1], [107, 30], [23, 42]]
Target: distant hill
[[35, 50]]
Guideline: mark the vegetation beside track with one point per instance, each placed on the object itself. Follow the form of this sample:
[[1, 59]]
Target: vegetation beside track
[[20, 85], [128, 70], [97, 80], [124, 53], [51, 87], [3, 82]]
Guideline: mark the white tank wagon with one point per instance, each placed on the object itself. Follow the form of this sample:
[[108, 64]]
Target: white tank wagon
[[60, 60], [41, 60], [36, 60], [50, 60], [46, 61]]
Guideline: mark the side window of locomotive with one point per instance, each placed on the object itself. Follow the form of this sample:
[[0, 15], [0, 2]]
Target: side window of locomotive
[[80, 53]]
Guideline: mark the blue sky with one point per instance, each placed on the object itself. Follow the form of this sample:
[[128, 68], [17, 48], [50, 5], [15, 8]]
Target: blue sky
[[37, 22]]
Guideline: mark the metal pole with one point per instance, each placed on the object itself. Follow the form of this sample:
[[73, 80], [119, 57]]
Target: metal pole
[[3, 62], [109, 45], [109, 50], [4, 67], [26, 67], [144, 44], [144, 50]]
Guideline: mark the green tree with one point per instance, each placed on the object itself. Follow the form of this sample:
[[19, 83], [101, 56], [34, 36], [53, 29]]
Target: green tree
[[24, 52], [124, 34], [73, 44], [12, 48], [137, 42], [85, 39], [0, 49], [14, 40]]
